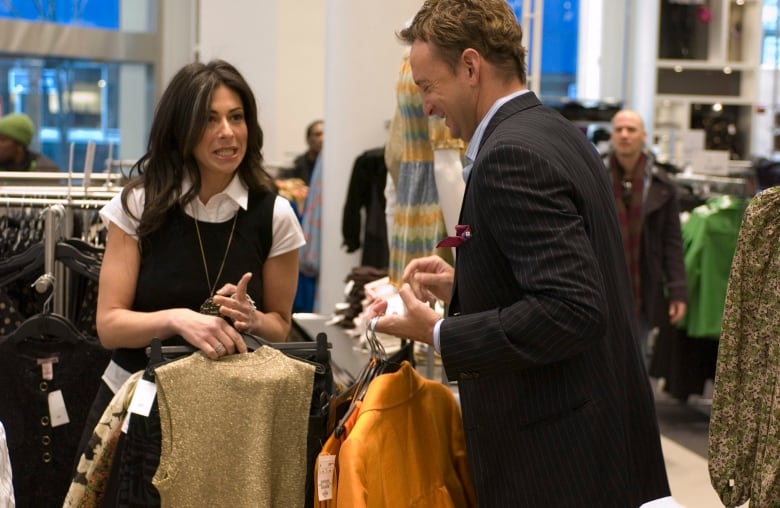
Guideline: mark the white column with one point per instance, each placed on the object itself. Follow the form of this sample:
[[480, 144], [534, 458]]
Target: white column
[[134, 90], [643, 27], [362, 60], [589, 76], [177, 25], [602, 50]]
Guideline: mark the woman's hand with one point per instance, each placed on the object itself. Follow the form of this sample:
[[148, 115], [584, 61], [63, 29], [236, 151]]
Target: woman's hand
[[235, 303], [211, 334]]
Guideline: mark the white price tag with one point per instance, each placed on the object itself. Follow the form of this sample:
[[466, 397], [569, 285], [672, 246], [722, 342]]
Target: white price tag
[[326, 468], [143, 397], [58, 413], [47, 367]]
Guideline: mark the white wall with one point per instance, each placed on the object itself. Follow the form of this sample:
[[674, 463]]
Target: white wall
[[279, 48], [762, 139]]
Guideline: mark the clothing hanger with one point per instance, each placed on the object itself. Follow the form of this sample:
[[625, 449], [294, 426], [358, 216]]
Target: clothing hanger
[[84, 261], [340, 405], [378, 364], [298, 350], [22, 265], [45, 325], [81, 257], [84, 246]]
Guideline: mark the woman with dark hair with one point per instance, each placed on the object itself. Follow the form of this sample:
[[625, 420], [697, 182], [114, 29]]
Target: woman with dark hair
[[198, 235]]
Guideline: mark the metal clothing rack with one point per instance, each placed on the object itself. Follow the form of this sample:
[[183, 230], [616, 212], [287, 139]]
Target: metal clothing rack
[[60, 196], [709, 185], [52, 274]]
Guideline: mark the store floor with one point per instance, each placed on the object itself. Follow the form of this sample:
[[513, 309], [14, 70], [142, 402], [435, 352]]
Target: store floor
[[684, 429]]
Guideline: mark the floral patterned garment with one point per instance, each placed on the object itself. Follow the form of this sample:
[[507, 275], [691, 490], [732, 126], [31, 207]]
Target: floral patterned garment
[[744, 439], [92, 473]]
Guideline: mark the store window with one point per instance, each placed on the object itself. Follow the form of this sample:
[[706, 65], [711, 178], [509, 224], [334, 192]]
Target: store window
[[72, 102], [84, 72], [102, 14], [560, 27], [770, 20]]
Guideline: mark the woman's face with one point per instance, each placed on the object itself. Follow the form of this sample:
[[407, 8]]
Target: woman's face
[[223, 145]]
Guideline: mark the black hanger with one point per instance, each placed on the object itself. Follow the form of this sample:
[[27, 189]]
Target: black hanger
[[46, 325], [22, 265], [83, 246], [253, 342], [83, 261], [378, 364]]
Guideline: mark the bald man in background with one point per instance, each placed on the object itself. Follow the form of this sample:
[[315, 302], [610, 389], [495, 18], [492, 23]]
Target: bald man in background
[[649, 214]]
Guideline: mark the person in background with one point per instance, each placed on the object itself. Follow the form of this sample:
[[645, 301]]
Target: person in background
[[649, 216], [303, 166], [200, 247], [16, 134], [540, 331]]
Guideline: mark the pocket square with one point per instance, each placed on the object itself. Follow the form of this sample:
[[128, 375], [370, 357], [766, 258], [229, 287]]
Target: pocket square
[[462, 233]]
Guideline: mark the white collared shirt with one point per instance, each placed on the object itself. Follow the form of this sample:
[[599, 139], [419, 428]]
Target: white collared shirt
[[287, 233]]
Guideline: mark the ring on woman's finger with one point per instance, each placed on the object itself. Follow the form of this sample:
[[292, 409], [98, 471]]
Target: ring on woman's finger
[[219, 348]]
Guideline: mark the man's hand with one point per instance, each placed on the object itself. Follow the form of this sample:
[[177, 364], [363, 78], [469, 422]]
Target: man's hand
[[676, 311], [416, 324], [430, 278]]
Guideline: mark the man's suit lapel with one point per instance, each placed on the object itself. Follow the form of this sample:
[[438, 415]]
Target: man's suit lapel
[[523, 102]]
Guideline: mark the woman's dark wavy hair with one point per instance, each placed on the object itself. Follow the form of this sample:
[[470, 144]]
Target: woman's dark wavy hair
[[180, 120]]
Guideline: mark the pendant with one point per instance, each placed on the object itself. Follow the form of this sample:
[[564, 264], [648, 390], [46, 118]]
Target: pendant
[[210, 308]]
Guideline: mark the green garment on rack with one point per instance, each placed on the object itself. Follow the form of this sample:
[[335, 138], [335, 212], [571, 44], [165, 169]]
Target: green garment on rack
[[709, 241]]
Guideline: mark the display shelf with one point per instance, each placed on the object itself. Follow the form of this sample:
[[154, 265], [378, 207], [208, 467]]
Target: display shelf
[[707, 75]]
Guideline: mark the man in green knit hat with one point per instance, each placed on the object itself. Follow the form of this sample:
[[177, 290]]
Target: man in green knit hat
[[16, 133]]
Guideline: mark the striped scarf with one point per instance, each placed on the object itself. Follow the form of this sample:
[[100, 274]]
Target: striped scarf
[[628, 198]]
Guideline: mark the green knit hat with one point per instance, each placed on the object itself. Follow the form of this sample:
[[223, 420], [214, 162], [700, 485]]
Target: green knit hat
[[18, 127]]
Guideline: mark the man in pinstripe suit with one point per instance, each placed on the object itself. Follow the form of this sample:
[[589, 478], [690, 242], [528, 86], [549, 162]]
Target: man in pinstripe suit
[[540, 331]]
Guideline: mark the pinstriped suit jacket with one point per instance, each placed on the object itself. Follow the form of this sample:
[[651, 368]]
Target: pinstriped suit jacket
[[556, 403]]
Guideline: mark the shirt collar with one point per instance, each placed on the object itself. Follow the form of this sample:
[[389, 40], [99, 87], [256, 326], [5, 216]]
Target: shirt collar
[[476, 139], [221, 206]]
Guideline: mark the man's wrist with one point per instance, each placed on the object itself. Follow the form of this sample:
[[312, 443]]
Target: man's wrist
[[437, 335]]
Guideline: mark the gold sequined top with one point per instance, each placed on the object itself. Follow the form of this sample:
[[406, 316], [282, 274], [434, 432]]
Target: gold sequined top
[[233, 430]]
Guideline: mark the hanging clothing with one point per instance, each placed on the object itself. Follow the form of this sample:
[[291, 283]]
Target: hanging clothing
[[6, 477], [709, 239], [366, 193], [327, 477], [414, 425], [309, 255], [418, 221], [744, 438], [35, 374], [204, 463], [89, 484]]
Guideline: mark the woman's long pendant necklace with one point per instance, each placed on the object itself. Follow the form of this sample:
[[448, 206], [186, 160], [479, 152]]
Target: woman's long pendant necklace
[[208, 306]]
